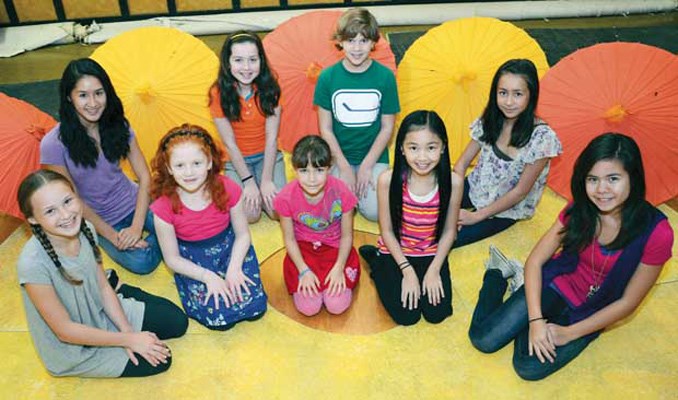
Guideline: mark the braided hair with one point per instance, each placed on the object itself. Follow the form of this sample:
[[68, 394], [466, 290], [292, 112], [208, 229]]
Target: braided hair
[[28, 187]]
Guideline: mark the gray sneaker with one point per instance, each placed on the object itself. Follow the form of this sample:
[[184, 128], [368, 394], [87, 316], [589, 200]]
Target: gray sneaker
[[518, 279], [499, 261]]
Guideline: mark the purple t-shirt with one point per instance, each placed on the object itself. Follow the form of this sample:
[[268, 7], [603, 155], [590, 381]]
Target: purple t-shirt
[[319, 222], [104, 188]]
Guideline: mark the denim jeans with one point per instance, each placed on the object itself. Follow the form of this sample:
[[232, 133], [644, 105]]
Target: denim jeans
[[139, 261], [367, 206], [495, 323], [255, 163], [473, 233]]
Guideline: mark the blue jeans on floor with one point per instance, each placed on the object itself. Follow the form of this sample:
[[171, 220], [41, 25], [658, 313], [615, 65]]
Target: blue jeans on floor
[[139, 261], [495, 323], [473, 233]]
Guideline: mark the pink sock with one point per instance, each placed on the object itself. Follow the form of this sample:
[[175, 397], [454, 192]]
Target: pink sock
[[307, 305], [337, 304]]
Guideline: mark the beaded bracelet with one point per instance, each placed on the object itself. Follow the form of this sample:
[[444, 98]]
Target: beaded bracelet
[[245, 179], [302, 273]]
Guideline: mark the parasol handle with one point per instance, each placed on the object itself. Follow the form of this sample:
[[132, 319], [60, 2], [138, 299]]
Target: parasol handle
[[36, 131], [616, 113], [313, 71], [464, 78], [146, 93]]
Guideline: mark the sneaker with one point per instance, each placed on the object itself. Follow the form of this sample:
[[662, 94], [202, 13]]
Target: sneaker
[[518, 279], [499, 261]]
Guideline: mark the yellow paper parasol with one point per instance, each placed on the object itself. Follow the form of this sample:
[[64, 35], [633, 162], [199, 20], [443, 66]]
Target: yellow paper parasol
[[298, 50], [162, 76], [450, 69]]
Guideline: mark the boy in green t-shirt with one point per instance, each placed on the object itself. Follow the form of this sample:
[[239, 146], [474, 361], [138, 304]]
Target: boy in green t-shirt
[[357, 101]]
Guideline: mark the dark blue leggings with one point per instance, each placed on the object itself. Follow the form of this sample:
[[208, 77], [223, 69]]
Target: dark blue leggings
[[495, 323], [473, 233]]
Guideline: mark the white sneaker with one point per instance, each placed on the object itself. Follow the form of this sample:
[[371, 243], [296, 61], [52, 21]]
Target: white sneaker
[[518, 279], [499, 261]]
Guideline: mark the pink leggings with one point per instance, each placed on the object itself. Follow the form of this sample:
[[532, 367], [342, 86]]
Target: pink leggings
[[310, 305]]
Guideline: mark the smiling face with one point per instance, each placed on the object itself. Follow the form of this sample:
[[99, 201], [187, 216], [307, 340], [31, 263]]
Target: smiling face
[[513, 95], [89, 99], [244, 62], [189, 165], [608, 186], [312, 180], [57, 209], [422, 150], [357, 53]]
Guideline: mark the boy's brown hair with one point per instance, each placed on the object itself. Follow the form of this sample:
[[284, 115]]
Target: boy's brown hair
[[353, 22]]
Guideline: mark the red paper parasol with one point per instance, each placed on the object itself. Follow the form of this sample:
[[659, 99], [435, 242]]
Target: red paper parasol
[[628, 88], [298, 50], [22, 126]]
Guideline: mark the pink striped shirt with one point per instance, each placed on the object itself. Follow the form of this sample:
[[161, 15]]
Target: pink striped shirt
[[418, 230]]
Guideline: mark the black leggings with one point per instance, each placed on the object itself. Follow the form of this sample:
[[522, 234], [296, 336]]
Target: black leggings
[[388, 280], [161, 317]]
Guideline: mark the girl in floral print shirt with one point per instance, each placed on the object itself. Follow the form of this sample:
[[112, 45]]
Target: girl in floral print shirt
[[515, 150]]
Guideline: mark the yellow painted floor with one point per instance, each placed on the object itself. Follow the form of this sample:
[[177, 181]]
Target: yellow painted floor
[[280, 358]]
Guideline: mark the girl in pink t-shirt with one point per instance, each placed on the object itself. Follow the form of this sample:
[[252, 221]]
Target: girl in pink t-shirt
[[316, 215], [203, 231], [590, 270]]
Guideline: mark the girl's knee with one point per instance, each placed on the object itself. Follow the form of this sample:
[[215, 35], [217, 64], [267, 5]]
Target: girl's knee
[[437, 316], [339, 303], [483, 343], [307, 305], [531, 369]]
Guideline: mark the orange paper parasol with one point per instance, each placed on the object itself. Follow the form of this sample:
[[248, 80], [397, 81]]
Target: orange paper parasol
[[628, 88], [450, 69], [22, 126], [162, 76], [298, 50]]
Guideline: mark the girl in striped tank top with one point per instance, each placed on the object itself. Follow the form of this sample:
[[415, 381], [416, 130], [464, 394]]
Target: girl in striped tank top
[[418, 209]]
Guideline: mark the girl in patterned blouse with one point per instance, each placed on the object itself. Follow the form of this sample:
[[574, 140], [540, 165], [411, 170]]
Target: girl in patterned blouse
[[515, 150]]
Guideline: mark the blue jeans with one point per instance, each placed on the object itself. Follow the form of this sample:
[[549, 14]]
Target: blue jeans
[[495, 323], [255, 163], [473, 233], [139, 261], [367, 206]]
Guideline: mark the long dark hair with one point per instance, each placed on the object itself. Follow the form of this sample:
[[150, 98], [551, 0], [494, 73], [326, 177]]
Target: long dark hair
[[493, 118], [584, 217], [113, 127], [28, 187], [267, 90], [416, 121]]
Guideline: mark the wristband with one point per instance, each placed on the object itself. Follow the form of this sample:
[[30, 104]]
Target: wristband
[[405, 266], [247, 178], [535, 319], [302, 273]]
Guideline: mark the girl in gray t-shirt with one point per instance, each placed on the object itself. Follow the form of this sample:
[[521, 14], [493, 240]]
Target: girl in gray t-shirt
[[79, 326]]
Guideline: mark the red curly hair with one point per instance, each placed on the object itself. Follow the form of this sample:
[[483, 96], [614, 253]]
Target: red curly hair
[[163, 184]]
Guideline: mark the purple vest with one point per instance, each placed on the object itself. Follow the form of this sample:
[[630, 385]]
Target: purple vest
[[616, 280]]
